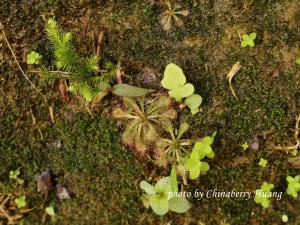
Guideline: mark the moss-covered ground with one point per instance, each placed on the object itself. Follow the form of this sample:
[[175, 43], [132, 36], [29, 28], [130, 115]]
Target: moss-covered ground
[[84, 151]]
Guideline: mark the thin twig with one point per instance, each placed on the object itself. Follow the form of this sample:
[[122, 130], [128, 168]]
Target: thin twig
[[3, 62], [52, 71]]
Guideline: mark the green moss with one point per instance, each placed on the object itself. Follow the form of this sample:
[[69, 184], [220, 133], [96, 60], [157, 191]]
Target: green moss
[[97, 170], [101, 173]]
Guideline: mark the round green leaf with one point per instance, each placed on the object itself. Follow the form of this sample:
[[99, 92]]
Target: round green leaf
[[195, 171], [163, 185], [182, 92], [179, 205], [204, 167], [208, 140], [193, 165], [252, 35], [193, 102], [159, 205], [21, 201], [203, 150], [148, 188], [50, 211], [33, 58], [173, 77], [289, 179]]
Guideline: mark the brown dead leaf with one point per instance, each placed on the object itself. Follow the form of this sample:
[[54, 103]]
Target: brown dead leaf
[[63, 91], [100, 42], [241, 160], [233, 71], [254, 142], [99, 97], [294, 162], [277, 72], [45, 181], [62, 192], [51, 112]]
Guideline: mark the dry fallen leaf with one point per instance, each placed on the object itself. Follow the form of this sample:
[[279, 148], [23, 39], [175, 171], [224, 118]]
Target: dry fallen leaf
[[61, 192], [45, 181], [294, 162], [63, 91], [254, 142], [51, 112], [277, 72], [100, 42], [241, 160], [233, 71]]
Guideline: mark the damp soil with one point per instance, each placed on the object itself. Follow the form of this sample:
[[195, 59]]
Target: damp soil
[[83, 149]]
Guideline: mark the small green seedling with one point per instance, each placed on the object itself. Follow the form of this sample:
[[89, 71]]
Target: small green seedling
[[263, 194], [248, 40], [162, 197], [175, 147], [245, 146], [33, 58], [298, 61], [14, 175], [175, 81], [201, 149], [21, 201], [293, 186], [263, 162]]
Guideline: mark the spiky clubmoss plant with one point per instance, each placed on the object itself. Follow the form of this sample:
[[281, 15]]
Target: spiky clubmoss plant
[[144, 120], [83, 72]]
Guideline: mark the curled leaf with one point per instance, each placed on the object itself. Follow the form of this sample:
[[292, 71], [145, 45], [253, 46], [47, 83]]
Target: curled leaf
[[233, 71]]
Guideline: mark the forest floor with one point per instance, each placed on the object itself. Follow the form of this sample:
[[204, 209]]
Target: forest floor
[[85, 152]]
